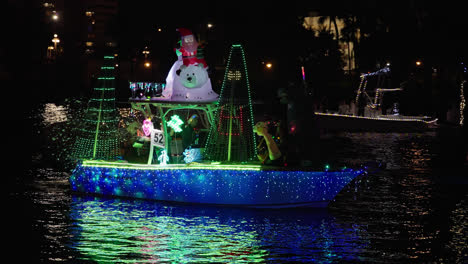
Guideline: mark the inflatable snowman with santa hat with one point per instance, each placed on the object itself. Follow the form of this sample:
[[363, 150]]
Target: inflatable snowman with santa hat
[[188, 78]]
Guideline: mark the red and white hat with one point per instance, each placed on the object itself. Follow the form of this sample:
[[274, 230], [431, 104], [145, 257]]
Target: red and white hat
[[184, 32]]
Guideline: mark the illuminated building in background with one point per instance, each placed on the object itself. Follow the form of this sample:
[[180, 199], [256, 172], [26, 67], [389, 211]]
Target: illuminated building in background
[[318, 23], [98, 14]]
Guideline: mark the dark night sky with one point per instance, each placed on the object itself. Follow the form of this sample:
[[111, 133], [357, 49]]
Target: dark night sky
[[266, 30], [260, 20], [270, 24], [270, 29], [267, 27]]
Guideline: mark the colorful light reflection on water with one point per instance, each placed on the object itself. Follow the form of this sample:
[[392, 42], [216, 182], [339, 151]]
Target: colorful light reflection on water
[[115, 231], [122, 231], [416, 211]]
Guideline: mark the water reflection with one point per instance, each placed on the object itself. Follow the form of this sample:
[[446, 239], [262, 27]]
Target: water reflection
[[407, 213], [458, 241], [397, 150], [53, 113], [113, 230], [118, 231]]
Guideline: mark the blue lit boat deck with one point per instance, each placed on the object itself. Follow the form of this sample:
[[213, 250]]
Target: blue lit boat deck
[[216, 184]]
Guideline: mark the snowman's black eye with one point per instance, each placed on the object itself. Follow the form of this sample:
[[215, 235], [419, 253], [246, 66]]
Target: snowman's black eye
[[193, 73]]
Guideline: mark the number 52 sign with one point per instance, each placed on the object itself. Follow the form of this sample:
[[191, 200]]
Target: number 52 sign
[[157, 138]]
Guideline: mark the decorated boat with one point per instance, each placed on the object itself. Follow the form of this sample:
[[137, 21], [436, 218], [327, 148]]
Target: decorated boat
[[366, 112], [192, 145]]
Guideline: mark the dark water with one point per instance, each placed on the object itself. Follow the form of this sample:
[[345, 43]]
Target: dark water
[[415, 211]]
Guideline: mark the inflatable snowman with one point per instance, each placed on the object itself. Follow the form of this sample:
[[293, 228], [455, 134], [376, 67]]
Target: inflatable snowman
[[188, 79]]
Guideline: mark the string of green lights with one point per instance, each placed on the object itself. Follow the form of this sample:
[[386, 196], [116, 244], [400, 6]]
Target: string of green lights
[[97, 136], [232, 138]]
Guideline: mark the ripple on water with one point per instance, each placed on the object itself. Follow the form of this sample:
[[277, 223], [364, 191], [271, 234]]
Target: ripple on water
[[402, 214]]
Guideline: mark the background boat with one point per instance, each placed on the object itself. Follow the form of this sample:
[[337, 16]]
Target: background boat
[[367, 112]]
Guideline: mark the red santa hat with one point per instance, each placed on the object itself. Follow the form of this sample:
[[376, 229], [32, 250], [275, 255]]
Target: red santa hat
[[184, 32]]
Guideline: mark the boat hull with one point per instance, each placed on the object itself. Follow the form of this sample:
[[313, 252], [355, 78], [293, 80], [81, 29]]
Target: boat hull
[[387, 123], [230, 185]]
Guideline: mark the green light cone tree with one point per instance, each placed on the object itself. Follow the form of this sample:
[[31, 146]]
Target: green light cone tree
[[232, 138], [97, 136]]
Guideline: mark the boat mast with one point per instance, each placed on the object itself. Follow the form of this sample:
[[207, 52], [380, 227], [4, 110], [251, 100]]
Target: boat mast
[[98, 124], [230, 122]]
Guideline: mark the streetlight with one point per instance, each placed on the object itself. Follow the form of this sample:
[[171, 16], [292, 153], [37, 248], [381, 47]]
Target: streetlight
[[269, 65], [50, 52], [209, 25], [55, 40], [147, 64], [55, 15], [146, 52]]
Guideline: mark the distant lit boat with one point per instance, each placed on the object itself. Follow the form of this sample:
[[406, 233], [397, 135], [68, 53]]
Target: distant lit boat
[[368, 115], [384, 123]]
